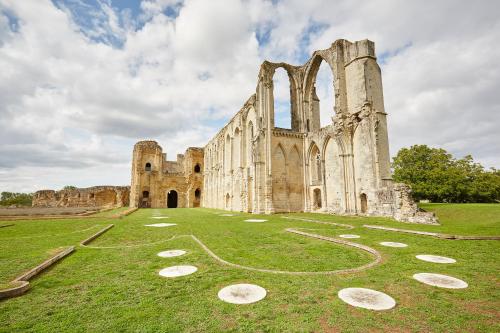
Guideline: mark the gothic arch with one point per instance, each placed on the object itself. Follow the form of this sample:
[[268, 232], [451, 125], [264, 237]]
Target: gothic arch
[[312, 71], [271, 68], [315, 165], [295, 177], [311, 100], [227, 153], [236, 149], [250, 134], [279, 177], [334, 174]]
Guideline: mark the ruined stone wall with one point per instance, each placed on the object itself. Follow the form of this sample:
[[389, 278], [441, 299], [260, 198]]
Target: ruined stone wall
[[342, 168], [253, 166], [97, 196], [155, 179]]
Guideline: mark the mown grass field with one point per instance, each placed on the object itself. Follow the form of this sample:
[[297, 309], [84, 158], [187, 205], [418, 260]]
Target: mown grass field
[[117, 289]]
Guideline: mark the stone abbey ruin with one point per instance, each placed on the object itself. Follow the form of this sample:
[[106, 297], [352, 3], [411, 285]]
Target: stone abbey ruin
[[96, 196], [253, 166]]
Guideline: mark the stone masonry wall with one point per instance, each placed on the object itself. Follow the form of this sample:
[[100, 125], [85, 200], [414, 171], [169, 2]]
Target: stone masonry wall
[[97, 196]]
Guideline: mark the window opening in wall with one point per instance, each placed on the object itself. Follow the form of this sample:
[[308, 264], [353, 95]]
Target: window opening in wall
[[325, 93], [282, 99], [318, 167], [148, 167], [317, 198], [197, 168], [364, 203]]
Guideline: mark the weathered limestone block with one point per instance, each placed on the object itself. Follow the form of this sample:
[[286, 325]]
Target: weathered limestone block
[[97, 196], [406, 209]]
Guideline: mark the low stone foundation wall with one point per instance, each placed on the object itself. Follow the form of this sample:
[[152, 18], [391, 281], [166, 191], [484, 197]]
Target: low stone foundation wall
[[97, 196]]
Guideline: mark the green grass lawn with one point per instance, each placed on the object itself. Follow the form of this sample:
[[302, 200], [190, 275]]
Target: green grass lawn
[[111, 212], [118, 289]]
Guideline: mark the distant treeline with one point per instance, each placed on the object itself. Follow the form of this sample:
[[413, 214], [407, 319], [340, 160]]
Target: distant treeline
[[15, 199], [435, 175]]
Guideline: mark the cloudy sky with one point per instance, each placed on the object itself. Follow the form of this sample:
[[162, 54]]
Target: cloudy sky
[[82, 80]]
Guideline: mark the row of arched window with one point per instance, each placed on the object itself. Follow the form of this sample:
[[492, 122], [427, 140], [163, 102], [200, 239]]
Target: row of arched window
[[197, 194], [197, 167]]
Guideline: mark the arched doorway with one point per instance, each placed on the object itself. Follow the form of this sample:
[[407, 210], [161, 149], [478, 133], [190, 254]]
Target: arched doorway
[[317, 198], [172, 199], [197, 198], [145, 200], [364, 203]]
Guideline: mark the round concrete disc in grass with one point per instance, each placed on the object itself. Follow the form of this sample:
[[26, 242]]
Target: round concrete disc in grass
[[440, 280], [367, 299], [160, 225], [242, 293], [171, 253], [349, 236], [159, 217], [175, 271], [226, 215], [255, 220], [436, 259], [393, 244]]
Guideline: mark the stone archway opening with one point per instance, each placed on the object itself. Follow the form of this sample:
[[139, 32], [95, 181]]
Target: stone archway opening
[[172, 199], [319, 94], [282, 99], [315, 166], [325, 93], [317, 198], [364, 203], [145, 200], [197, 198]]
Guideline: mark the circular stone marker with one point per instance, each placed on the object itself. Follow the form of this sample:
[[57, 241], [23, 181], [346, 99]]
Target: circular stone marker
[[171, 253], [440, 280], [349, 236], [436, 259], [175, 271], [367, 299], [255, 220], [159, 217], [242, 293], [226, 215], [393, 244], [160, 225]]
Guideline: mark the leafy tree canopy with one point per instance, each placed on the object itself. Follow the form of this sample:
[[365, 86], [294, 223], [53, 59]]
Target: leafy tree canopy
[[17, 199], [435, 175]]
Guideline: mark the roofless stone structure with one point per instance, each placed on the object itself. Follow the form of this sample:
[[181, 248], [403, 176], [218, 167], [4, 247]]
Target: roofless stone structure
[[253, 166]]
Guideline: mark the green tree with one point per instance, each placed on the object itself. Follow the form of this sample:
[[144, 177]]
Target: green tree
[[69, 187], [18, 199], [435, 175]]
